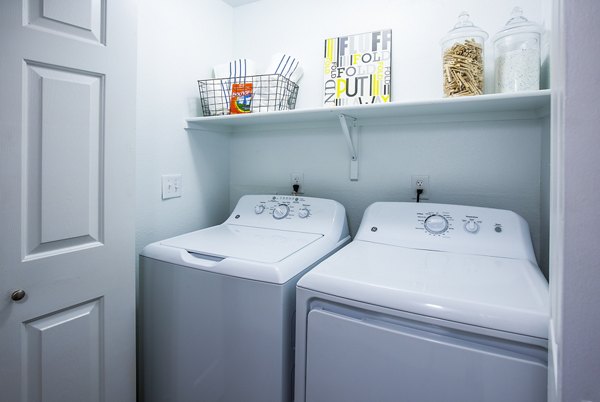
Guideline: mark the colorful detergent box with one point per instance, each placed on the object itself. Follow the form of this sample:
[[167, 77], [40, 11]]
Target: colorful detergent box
[[241, 98]]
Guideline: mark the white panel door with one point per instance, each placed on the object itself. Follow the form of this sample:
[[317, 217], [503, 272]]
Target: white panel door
[[67, 130]]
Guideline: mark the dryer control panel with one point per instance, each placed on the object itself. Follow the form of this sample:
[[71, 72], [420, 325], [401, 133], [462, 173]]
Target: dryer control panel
[[444, 223], [442, 227]]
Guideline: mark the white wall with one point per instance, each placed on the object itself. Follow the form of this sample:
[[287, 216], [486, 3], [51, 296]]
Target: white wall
[[495, 164], [179, 41], [300, 28]]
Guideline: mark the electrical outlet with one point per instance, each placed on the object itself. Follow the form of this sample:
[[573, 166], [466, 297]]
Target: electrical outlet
[[420, 182], [297, 178], [171, 185]]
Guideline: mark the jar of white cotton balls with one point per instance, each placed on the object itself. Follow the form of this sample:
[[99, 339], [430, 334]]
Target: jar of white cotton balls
[[517, 55]]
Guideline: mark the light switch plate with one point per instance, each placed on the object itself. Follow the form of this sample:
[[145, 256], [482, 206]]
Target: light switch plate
[[171, 186]]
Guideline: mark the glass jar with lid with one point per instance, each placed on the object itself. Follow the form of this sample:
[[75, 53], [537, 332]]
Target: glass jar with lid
[[463, 58], [517, 55]]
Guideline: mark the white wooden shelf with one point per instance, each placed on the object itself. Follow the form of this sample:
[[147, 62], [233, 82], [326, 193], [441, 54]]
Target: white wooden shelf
[[520, 105]]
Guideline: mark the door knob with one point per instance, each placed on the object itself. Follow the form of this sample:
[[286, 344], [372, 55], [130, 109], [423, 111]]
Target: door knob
[[18, 295]]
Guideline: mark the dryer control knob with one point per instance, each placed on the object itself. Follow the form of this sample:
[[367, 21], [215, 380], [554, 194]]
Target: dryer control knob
[[259, 209], [303, 212], [281, 211], [472, 227], [436, 224]]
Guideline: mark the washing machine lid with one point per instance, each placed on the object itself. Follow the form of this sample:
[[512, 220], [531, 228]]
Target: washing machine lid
[[243, 242], [490, 292]]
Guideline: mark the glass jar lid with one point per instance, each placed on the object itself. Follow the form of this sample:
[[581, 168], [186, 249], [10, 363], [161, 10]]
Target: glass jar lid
[[464, 27], [517, 24]]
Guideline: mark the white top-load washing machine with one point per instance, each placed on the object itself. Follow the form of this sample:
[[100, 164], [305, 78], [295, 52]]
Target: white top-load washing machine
[[429, 303], [217, 305]]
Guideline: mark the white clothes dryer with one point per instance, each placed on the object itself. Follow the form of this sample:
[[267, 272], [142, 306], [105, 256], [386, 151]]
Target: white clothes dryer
[[429, 303], [217, 305]]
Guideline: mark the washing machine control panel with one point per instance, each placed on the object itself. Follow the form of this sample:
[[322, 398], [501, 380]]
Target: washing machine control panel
[[281, 210], [282, 207], [287, 212]]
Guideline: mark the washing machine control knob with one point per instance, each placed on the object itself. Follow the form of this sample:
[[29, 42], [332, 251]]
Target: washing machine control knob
[[259, 209], [436, 224], [303, 213], [472, 227], [281, 211]]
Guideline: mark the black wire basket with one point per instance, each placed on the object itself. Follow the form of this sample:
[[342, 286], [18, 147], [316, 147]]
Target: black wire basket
[[270, 92]]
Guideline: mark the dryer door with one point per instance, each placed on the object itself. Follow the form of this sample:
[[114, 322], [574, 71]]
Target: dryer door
[[350, 359]]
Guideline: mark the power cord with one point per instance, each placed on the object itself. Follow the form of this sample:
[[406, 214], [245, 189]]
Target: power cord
[[419, 192], [296, 188]]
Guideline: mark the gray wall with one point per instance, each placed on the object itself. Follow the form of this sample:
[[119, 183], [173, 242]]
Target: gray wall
[[299, 28]]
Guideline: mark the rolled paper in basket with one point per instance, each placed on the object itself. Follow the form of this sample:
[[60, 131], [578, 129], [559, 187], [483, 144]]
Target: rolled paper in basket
[[272, 97], [286, 65], [235, 70]]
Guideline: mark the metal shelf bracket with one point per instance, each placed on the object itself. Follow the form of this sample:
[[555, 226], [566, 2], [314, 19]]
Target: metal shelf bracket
[[350, 131]]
